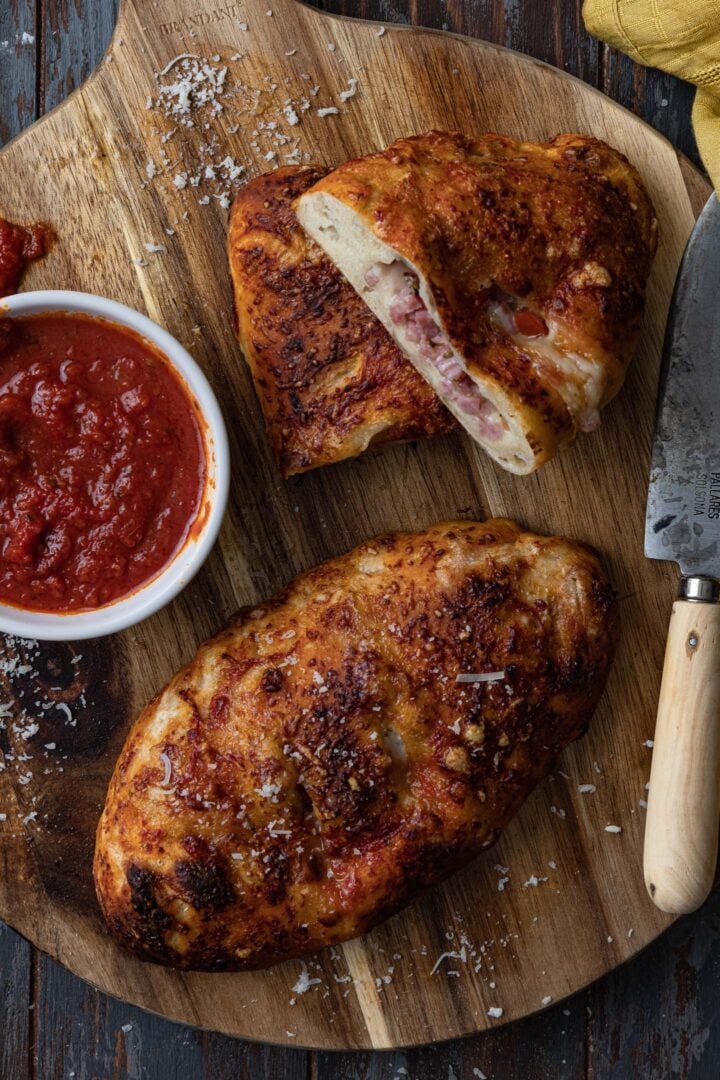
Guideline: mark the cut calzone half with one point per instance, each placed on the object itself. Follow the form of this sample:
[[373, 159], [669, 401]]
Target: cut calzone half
[[340, 749], [330, 379], [512, 274]]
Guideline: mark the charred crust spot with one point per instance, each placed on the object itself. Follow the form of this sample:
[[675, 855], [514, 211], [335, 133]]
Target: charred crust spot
[[603, 595], [153, 920], [272, 680], [205, 883]]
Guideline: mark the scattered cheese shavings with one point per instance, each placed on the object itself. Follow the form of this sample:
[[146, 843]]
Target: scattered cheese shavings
[[586, 789], [381, 31], [613, 828], [345, 95], [155, 249], [176, 59], [649, 743], [274, 831], [330, 110], [168, 768], [269, 791], [452, 955], [197, 84], [27, 39], [533, 881], [504, 872], [546, 1000], [304, 981], [494, 1012], [62, 707], [480, 677], [126, 1028]]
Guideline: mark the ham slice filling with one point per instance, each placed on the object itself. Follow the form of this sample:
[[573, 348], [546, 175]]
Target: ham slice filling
[[408, 312]]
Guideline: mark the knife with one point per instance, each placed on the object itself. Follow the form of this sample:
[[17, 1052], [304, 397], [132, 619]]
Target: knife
[[683, 524]]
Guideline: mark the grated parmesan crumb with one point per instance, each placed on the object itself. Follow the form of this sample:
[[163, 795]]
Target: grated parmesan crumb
[[304, 981], [345, 95], [480, 677]]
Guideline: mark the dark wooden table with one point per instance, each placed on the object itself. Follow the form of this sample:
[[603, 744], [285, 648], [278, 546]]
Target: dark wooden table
[[656, 1017]]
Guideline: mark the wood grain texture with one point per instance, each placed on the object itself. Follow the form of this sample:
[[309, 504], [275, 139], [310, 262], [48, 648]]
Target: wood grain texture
[[16, 1004], [623, 1035], [681, 832], [104, 130], [68, 31], [18, 87]]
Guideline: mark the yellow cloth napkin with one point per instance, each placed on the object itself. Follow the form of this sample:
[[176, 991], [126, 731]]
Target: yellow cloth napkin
[[683, 38]]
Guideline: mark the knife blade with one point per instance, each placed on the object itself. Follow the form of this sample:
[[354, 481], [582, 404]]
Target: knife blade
[[683, 524], [683, 509]]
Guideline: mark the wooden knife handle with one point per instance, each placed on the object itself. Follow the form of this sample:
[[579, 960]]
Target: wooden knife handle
[[681, 831]]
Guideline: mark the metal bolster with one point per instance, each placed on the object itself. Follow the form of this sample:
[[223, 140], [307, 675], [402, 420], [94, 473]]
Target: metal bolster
[[700, 590]]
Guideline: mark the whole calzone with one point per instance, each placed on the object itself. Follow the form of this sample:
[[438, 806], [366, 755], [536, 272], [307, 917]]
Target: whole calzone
[[342, 748]]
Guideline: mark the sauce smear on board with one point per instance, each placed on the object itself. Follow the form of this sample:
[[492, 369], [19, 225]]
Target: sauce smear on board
[[102, 462], [19, 246]]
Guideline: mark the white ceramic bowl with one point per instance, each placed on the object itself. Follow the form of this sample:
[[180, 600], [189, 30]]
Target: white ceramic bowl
[[158, 591]]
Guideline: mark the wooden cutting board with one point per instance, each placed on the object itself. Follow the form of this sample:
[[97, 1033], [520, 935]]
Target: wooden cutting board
[[560, 900]]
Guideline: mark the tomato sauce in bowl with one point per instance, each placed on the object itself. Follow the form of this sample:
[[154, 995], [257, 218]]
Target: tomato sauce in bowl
[[102, 462]]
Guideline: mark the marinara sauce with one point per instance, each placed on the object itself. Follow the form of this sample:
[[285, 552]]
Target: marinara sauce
[[19, 246], [102, 462]]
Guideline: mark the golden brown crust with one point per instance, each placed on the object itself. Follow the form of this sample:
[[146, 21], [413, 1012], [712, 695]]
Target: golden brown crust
[[565, 226], [330, 379], [317, 765]]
